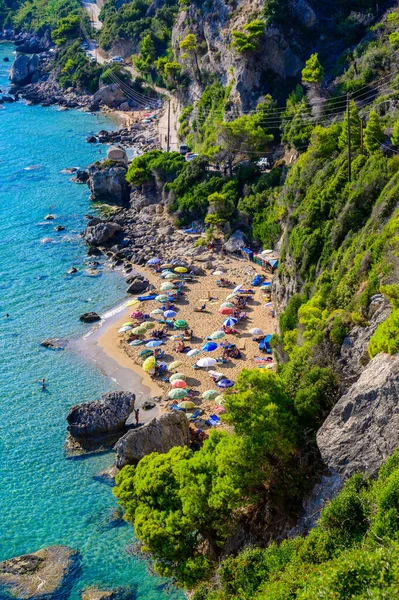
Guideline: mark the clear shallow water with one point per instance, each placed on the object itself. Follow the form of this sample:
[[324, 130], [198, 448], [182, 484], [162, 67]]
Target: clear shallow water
[[44, 498]]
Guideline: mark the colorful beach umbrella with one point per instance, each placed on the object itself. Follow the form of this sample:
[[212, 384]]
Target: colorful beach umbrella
[[139, 330], [124, 329], [154, 261], [149, 364], [169, 314], [177, 394], [176, 376], [136, 343], [180, 270], [180, 324], [165, 287], [210, 394], [226, 311], [154, 344], [217, 335], [137, 314], [167, 266], [157, 311], [225, 383], [174, 365], [148, 325], [128, 324], [218, 272], [227, 305], [193, 352], [145, 353], [230, 322], [172, 276], [209, 347], [162, 298], [207, 362], [178, 383], [186, 404], [256, 331], [219, 399]]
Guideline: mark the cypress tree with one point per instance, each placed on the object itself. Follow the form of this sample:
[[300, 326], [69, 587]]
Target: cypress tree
[[395, 134], [373, 134], [355, 129]]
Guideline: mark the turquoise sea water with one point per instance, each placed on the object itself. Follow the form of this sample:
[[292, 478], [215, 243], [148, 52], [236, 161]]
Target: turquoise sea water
[[46, 499]]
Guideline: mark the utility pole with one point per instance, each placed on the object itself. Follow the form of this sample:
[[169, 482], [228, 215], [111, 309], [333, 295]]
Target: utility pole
[[168, 143], [349, 139]]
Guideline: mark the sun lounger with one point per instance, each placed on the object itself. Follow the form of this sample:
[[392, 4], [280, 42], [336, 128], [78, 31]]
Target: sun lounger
[[143, 298], [194, 415], [213, 421]]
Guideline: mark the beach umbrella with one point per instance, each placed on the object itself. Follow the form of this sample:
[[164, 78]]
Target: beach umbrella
[[176, 376], [124, 329], [180, 324], [256, 331], [149, 364], [209, 347], [230, 322], [178, 383], [162, 298], [226, 311], [237, 289], [136, 343], [231, 296], [157, 311], [268, 304], [210, 394], [225, 383], [207, 362], [169, 314], [193, 352], [153, 261], [219, 399], [216, 374], [154, 344], [174, 365], [165, 287], [145, 353], [148, 325], [186, 404], [167, 266], [139, 330], [217, 335], [218, 273], [128, 324], [227, 305], [177, 394], [137, 314], [172, 276], [133, 302], [180, 270]]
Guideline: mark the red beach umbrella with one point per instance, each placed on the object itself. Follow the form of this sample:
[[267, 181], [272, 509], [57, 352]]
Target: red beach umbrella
[[226, 311]]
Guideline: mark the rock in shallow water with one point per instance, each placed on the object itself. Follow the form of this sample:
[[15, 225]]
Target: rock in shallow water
[[54, 343], [90, 317], [116, 594], [42, 575]]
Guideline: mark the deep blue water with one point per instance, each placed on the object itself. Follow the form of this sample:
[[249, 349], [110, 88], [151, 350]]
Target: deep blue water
[[44, 498]]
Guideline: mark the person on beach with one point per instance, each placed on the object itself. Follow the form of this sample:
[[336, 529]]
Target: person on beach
[[136, 416]]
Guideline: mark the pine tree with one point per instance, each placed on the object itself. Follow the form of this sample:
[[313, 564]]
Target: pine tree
[[354, 126], [313, 71], [373, 134], [395, 134]]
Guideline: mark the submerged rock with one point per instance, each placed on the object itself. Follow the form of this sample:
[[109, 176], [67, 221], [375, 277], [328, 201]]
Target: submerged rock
[[46, 574], [107, 476], [159, 435], [362, 430], [116, 594], [54, 343], [100, 423]]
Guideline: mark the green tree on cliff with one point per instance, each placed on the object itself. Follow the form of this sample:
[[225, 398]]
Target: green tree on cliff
[[373, 133], [313, 71], [354, 128]]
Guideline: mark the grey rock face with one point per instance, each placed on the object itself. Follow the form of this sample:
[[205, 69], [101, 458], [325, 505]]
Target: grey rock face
[[354, 356], [101, 417], [362, 429], [137, 286], [48, 573], [99, 233], [159, 435], [23, 68], [236, 241], [110, 95], [108, 184]]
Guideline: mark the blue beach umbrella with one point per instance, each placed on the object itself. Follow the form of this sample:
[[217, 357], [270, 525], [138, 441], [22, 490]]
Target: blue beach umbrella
[[153, 261], [209, 347], [225, 383], [230, 322], [169, 314], [153, 344]]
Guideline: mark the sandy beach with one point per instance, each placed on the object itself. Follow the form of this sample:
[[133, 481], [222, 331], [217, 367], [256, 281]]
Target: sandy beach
[[112, 347]]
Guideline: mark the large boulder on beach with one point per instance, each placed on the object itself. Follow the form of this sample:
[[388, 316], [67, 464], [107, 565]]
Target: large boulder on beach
[[43, 575], [236, 241], [24, 69], [159, 435], [362, 430], [137, 286], [99, 233], [100, 422]]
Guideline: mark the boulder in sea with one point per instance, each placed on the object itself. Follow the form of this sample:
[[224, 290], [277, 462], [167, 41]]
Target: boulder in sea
[[49, 217], [94, 593], [99, 233], [48, 573], [159, 435], [24, 69], [60, 228], [90, 317], [91, 139], [362, 430], [107, 183], [54, 343], [72, 271], [99, 423], [107, 476]]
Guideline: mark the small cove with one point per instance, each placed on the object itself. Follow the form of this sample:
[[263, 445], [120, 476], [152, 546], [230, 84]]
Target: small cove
[[46, 499]]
